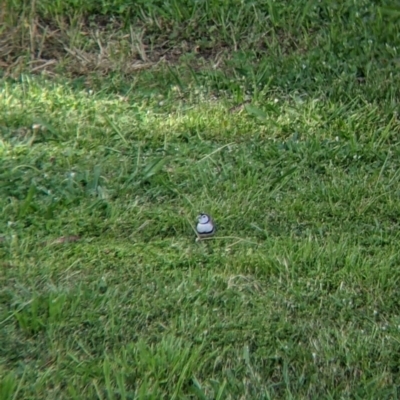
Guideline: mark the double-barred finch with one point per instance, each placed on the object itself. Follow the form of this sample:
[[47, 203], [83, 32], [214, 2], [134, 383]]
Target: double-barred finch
[[205, 226]]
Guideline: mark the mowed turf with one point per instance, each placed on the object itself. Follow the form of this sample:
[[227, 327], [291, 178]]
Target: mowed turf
[[104, 292]]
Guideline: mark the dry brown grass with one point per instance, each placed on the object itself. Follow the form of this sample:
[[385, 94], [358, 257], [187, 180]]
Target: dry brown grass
[[75, 48], [78, 47]]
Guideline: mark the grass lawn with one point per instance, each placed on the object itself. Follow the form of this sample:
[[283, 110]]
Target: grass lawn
[[120, 123]]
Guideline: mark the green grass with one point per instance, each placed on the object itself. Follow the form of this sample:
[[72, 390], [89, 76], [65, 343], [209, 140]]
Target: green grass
[[104, 292]]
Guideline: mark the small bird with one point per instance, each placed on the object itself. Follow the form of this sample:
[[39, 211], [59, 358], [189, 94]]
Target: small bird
[[205, 226]]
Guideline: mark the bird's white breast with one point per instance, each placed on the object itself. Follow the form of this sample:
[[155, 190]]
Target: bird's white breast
[[205, 228]]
